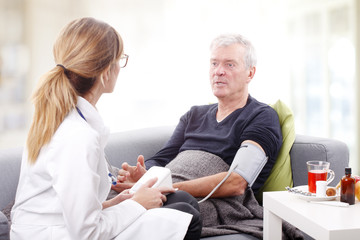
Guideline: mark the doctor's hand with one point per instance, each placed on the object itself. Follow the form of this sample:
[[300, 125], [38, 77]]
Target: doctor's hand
[[117, 199], [131, 174], [121, 186], [150, 197]]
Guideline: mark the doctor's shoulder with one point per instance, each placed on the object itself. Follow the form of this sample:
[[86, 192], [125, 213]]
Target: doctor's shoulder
[[73, 132]]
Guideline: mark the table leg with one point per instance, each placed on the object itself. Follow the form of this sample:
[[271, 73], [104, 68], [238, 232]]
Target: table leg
[[272, 226]]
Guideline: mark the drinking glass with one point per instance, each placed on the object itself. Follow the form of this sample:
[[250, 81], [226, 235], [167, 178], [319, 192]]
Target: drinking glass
[[318, 171]]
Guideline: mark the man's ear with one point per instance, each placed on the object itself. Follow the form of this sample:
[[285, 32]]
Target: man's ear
[[251, 74]]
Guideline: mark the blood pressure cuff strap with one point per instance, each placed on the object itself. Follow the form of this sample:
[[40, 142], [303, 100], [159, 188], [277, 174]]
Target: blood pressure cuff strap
[[249, 161]]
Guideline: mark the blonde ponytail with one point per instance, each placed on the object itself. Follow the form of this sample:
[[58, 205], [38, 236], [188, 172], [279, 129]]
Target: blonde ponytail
[[53, 100], [84, 49]]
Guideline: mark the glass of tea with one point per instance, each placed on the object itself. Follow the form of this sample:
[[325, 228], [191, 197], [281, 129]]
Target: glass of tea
[[318, 171]]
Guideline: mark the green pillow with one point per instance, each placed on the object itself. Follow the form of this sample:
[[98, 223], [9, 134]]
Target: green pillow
[[281, 175]]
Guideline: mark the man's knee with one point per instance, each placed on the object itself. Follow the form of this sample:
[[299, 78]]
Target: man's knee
[[182, 196]]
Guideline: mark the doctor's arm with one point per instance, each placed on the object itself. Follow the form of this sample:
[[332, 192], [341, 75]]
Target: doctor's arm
[[82, 209], [146, 196]]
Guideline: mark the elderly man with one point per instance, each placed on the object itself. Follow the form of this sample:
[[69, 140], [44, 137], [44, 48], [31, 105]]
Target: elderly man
[[209, 138]]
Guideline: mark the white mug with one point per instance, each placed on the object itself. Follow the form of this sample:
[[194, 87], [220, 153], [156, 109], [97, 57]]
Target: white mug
[[321, 188]]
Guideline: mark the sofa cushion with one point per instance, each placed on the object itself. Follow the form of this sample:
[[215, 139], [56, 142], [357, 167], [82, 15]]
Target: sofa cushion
[[281, 174], [4, 227], [7, 211]]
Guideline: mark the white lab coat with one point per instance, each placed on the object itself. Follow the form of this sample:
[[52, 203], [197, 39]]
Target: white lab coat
[[61, 195]]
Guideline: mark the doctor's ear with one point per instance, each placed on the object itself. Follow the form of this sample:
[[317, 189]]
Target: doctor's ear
[[105, 75]]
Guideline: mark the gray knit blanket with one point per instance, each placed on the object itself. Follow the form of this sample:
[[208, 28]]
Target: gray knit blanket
[[221, 216]]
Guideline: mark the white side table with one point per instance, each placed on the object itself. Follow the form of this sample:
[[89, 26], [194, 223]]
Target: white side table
[[318, 221]]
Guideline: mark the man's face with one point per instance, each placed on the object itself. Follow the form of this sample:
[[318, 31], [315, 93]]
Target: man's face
[[228, 75]]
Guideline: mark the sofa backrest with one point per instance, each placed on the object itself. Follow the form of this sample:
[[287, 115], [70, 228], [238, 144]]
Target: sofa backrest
[[307, 148], [10, 161], [127, 146]]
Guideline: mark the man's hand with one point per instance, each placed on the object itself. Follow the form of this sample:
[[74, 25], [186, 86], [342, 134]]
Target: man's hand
[[132, 173], [129, 175]]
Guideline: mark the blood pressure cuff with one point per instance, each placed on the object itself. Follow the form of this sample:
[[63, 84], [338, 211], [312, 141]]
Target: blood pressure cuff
[[249, 161]]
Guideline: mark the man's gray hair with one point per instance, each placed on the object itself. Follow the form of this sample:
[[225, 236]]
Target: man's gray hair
[[229, 39]]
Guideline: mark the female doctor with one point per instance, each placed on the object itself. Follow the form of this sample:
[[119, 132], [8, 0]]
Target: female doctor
[[64, 174]]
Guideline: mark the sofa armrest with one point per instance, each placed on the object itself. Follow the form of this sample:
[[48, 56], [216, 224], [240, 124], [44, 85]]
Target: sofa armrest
[[306, 148], [4, 227], [127, 146]]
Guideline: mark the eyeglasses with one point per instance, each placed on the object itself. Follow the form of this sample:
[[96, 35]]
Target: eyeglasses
[[123, 60]]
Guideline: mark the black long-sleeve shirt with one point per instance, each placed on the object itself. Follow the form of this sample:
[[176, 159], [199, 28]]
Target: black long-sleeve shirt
[[198, 129]]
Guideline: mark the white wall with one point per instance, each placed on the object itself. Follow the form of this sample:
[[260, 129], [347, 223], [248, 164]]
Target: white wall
[[168, 42]]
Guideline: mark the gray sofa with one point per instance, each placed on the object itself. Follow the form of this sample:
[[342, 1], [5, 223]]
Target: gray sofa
[[126, 146]]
